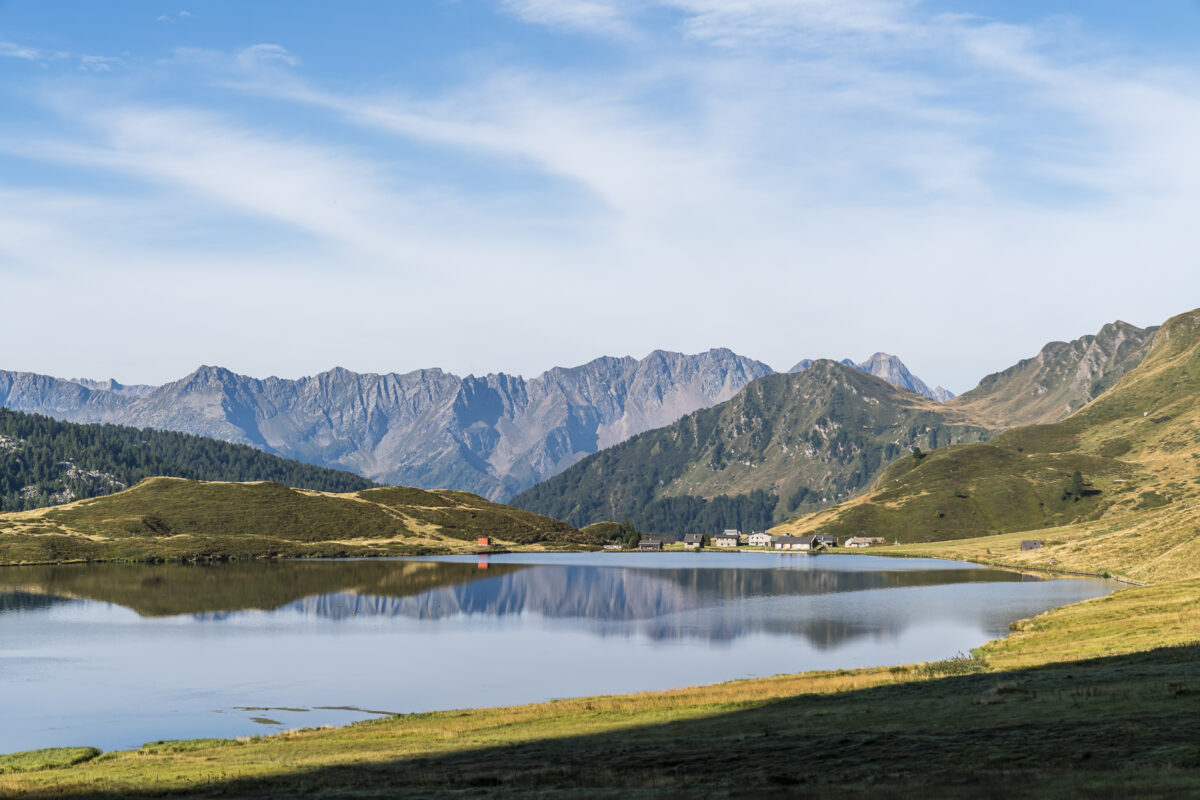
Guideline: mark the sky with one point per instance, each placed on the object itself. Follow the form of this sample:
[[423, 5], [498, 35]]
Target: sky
[[511, 185]]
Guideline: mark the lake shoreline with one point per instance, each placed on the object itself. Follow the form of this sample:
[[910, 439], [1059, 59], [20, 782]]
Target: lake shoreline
[[279, 589], [1079, 652]]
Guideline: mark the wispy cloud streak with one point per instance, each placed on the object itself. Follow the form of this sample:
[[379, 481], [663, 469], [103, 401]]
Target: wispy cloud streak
[[865, 154]]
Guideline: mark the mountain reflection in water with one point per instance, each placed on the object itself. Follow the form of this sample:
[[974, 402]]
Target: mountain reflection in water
[[796, 596]]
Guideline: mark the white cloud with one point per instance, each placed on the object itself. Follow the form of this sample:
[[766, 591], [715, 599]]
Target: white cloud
[[755, 22], [265, 55], [320, 190], [98, 63], [13, 50], [593, 16]]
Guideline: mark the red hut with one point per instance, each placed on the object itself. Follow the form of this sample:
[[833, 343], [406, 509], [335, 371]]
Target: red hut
[[484, 541]]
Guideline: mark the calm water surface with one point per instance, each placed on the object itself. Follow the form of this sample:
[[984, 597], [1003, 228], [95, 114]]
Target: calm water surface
[[116, 655]]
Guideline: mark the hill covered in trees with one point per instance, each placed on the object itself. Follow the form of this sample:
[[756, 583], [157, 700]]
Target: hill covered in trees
[[786, 442], [45, 462]]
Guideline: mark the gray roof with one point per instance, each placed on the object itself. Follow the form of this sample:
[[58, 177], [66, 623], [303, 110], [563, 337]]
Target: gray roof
[[693, 538]]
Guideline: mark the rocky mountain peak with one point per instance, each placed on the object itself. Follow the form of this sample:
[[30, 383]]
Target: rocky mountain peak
[[889, 368], [942, 394], [207, 376], [1062, 378]]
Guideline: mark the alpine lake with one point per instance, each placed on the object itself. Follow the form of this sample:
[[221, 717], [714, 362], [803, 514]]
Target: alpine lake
[[115, 655]]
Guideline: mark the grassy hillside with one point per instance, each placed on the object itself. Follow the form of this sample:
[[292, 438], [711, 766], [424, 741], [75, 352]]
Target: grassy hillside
[[785, 442], [46, 462], [1136, 448], [167, 518]]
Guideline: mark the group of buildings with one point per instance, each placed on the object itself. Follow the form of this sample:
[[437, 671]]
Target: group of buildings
[[732, 538]]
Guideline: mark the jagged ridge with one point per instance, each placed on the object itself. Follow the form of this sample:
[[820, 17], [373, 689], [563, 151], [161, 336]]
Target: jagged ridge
[[493, 435]]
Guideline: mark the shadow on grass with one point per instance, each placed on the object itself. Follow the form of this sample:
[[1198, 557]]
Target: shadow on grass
[[1108, 727]]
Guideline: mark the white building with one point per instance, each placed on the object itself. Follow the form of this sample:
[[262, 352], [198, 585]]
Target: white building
[[791, 543], [864, 541]]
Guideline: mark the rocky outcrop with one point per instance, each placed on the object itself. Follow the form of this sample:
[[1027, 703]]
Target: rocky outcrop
[[1059, 380]]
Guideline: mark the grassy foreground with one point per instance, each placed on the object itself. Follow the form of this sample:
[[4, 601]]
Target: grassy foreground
[[1076, 702]]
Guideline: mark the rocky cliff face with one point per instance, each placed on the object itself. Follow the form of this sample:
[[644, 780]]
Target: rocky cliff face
[[1059, 380], [493, 435], [891, 369]]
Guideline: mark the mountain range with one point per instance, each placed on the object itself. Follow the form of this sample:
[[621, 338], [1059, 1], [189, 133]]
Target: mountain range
[[499, 435], [493, 435], [798, 442]]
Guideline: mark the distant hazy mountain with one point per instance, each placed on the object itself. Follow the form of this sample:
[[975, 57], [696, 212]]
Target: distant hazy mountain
[[786, 442], [1061, 379], [891, 369], [493, 435], [942, 394]]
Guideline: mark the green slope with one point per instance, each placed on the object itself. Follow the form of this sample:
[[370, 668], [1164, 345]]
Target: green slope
[[171, 519], [46, 462], [785, 442], [1137, 448]]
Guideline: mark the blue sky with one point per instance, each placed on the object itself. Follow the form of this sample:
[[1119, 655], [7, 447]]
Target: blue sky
[[510, 185]]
